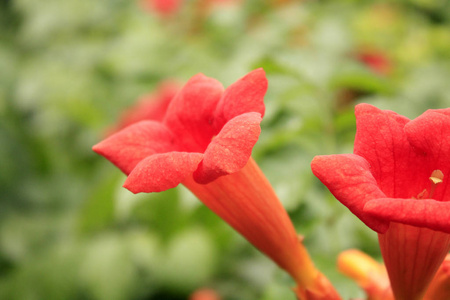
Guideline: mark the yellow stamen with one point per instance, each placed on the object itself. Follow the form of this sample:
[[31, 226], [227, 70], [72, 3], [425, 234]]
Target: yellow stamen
[[436, 177]]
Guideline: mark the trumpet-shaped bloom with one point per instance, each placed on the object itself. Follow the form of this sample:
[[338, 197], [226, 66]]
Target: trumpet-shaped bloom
[[368, 273], [206, 132], [395, 183], [205, 141]]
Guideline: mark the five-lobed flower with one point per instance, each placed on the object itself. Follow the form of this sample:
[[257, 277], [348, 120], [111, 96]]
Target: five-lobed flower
[[395, 183], [205, 142]]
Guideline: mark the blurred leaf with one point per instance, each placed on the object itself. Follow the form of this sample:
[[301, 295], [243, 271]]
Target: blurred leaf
[[187, 261], [99, 209]]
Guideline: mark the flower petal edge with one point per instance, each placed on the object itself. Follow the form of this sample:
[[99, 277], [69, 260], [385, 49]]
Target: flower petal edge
[[427, 213], [349, 179], [243, 96], [231, 149], [128, 147], [161, 172]]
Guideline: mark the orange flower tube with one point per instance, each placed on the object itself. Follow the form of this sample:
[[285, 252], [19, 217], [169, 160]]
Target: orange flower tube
[[247, 202], [205, 142], [396, 182]]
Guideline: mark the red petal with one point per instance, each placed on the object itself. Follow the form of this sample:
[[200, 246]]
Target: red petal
[[161, 172], [245, 95], [231, 149], [427, 213], [444, 111], [152, 106], [129, 146], [190, 114], [430, 134], [349, 179], [380, 138]]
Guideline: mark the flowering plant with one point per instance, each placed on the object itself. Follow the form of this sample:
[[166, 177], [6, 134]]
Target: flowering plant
[[204, 141], [394, 182]]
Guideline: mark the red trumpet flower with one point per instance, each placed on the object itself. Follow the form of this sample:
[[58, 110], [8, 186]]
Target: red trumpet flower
[[206, 133], [205, 141], [394, 182]]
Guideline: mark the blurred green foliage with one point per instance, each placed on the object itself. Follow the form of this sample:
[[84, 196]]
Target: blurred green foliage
[[68, 230]]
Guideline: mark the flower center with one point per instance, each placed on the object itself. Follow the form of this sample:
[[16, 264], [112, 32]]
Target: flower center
[[436, 178]]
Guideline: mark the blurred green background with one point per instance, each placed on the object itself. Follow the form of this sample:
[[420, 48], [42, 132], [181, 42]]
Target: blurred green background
[[68, 69]]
